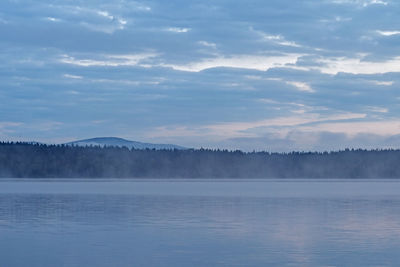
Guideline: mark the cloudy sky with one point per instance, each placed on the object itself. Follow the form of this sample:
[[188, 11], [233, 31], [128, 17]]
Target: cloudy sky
[[274, 75]]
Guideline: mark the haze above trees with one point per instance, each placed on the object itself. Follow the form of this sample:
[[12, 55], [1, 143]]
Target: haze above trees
[[23, 160]]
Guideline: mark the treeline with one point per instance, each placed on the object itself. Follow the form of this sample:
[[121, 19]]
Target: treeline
[[24, 160]]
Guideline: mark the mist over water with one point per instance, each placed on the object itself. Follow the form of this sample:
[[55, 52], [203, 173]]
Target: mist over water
[[165, 227]]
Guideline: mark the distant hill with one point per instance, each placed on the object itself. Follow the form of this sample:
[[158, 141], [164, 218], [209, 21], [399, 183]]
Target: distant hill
[[120, 142]]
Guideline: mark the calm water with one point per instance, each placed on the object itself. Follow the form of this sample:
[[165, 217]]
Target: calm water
[[203, 223]]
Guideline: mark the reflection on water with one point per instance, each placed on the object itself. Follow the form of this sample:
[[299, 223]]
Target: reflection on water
[[166, 230]]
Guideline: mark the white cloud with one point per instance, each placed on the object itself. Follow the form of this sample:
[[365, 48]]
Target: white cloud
[[207, 44], [275, 102], [335, 20], [109, 60], [125, 82], [256, 62], [133, 5], [70, 76], [357, 65], [301, 86], [144, 8], [270, 37], [383, 83], [53, 19], [378, 109], [376, 2], [253, 77], [342, 19], [268, 101], [105, 14], [278, 39], [178, 30], [363, 3], [388, 33], [90, 18], [105, 28], [293, 107]]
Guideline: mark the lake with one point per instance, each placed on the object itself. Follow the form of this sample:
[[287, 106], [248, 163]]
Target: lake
[[199, 223]]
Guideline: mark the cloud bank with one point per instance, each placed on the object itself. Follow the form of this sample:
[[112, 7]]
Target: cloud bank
[[253, 75]]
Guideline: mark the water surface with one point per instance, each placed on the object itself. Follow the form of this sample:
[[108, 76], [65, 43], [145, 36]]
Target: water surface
[[199, 223]]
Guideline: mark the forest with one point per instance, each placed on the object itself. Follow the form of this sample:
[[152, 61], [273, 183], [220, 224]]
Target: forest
[[26, 160]]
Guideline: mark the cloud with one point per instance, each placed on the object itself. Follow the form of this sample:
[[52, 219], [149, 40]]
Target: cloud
[[278, 126], [357, 65], [292, 133], [312, 141], [45, 126], [8, 126], [363, 3], [126, 82], [109, 60], [109, 29], [382, 127], [53, 19], [105, 14], [305, 132], [383, 83], [70, 76], [378, 109], [89, 17], [207, 44], [301, 86], [282, 53], [375, 2], [269, 101], [388, 33], [300, 108], [178, 30], [278, 39], [255, 62]]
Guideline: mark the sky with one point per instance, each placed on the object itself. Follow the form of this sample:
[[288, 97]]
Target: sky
[[277, 75]]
